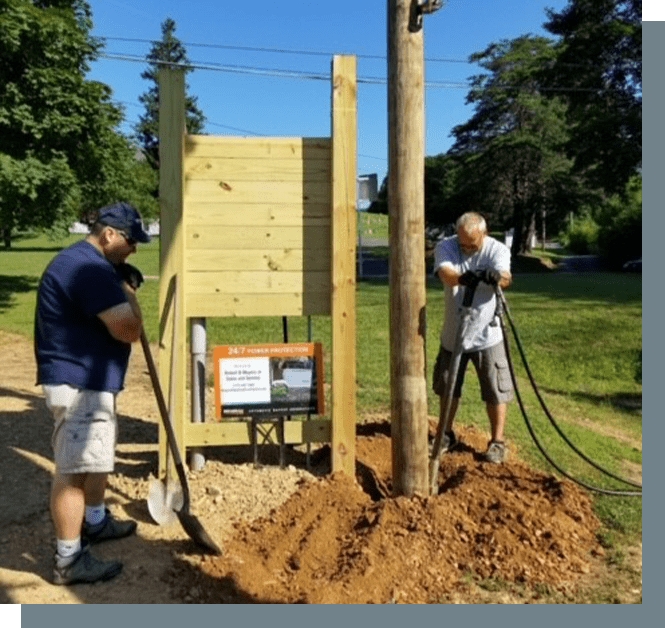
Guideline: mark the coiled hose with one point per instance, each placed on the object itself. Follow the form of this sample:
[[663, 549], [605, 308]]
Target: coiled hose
[[503, 309]]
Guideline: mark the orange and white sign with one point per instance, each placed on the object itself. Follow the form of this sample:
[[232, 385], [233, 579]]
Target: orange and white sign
[[268, 380]]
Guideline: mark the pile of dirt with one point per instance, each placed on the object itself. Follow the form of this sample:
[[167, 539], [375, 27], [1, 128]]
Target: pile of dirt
[[290, 535], [334, 542]]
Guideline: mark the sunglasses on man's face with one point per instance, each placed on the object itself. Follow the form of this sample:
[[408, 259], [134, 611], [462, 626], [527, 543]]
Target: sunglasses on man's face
[[130, 241]]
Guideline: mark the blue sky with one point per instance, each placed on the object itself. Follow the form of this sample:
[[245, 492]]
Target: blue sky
[[259, 104]]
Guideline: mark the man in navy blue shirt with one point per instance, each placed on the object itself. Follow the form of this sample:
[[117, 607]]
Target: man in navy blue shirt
[[87, 316]]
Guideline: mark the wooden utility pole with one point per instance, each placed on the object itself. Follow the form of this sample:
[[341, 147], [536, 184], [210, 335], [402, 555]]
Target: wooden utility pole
[[406, 202]]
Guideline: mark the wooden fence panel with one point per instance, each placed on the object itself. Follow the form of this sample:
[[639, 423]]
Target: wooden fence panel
[[257, 226]]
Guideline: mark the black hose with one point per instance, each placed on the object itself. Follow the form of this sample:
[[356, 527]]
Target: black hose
[[504, 308]]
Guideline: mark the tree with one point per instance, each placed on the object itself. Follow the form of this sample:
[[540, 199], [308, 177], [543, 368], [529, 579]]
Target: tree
[[511, 152], [442, 190], [60, 154], [172, 52], [620, 225], [599, 61], [441, 173]]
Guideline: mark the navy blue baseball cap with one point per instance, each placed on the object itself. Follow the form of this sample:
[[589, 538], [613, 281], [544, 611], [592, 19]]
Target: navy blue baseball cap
[[125, 218]]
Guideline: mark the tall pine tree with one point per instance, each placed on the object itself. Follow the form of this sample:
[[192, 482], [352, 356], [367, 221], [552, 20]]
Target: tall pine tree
[[511, 152], [169, 50]]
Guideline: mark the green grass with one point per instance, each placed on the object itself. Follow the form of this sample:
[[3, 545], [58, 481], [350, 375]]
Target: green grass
[[373, 225], [22, 266], [582, 335]]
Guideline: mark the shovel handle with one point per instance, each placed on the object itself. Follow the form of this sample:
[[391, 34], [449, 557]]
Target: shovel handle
[[469, 293], [164, 413]]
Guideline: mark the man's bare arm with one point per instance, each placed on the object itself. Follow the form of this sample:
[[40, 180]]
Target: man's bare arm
[[449, 276], [125, 320]]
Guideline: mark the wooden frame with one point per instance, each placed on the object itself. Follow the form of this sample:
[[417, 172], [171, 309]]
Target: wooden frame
[[259, 227]]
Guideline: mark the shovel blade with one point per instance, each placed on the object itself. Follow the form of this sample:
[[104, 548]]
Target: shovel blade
[[197, 533], [164, 501]]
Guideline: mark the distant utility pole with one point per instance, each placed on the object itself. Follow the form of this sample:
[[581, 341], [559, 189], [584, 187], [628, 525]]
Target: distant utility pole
[[406, 203]]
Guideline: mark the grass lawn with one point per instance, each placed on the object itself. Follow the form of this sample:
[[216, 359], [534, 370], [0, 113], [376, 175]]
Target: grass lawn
[[582, 335], [373, 226]]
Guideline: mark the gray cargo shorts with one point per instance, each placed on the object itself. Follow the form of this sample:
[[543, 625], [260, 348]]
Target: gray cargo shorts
[[85, 430], [496, 386]]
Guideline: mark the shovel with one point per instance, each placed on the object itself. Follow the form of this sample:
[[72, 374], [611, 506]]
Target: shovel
[[453, 369], [189, 522], [165, 498]]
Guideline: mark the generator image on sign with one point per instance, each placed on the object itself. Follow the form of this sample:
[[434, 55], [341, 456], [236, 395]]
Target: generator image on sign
[[268, 380]]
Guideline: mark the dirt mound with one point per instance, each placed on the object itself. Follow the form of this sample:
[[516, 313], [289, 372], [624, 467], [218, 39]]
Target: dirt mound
[[292, 535], [333, 542]]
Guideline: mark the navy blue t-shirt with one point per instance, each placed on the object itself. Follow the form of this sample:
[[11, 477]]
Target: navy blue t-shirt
[[72, 345]]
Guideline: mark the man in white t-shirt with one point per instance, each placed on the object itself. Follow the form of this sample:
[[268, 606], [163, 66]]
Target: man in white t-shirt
[[473, 258]]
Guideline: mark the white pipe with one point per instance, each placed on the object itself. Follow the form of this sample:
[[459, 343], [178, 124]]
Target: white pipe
[[199, 344]]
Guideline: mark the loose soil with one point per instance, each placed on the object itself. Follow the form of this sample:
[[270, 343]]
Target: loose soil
[[494, 533]]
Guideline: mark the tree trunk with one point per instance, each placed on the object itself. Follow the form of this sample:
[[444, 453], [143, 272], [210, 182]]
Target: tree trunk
[[524, 220], [7, 237], [518, 229], [530, 232]]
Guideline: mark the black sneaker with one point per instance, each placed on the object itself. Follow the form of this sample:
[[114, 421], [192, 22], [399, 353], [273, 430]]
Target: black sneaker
[[83, 568], [108, 530], [496, 452]]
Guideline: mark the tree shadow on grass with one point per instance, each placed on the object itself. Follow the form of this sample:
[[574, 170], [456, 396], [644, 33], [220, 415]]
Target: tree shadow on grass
[[627, 401], [35, 249], [13, 284]]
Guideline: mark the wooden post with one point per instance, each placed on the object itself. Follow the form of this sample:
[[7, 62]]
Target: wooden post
[[171, 195], [406, 147], [344, 134]]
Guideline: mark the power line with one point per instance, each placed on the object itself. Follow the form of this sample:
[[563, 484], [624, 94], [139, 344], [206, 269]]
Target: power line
[[303, 75], [293, 51], [271, 72], [233, 128], [319, 53], [220, 67]]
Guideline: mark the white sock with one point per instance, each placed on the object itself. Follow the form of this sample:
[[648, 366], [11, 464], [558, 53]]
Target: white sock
[[68, 547], [94, 514]]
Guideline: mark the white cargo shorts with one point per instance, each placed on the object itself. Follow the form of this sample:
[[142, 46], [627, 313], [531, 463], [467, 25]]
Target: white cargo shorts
[[85, 430]]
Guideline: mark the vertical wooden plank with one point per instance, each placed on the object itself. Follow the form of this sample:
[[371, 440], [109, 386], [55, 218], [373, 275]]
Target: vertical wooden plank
[[406, 201], [344, 140], [171, 194]]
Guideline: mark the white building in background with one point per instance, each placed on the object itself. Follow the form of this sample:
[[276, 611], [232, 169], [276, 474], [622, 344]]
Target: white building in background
[[80, 227]]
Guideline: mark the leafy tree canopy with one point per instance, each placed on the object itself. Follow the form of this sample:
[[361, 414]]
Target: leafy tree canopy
[[60, 153], [599, 61], [510, 154]]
